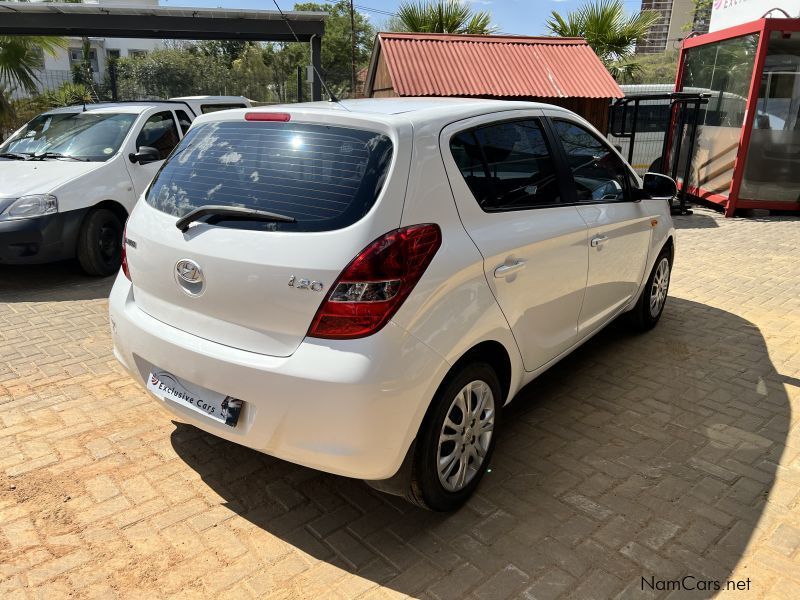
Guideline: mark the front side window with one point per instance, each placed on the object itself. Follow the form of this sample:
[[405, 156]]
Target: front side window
[[83, 135], [325, 177], [599, 174], [507, 166], [159, 132]]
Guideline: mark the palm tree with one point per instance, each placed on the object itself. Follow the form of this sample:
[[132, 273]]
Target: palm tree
[[442, 16], [20, 58], [610, 32]]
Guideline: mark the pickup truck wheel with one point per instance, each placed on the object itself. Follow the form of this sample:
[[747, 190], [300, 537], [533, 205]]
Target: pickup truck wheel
[[100, 243], [456, 441]]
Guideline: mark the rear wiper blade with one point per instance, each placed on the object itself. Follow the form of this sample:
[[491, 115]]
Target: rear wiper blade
[[236, 212], [15, 155], [44, 155]]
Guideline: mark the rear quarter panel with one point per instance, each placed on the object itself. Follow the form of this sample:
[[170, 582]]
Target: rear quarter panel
[[452, 308]]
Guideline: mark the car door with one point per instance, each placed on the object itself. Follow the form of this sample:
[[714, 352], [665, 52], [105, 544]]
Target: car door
[[619, 227], [160, 131], [508, 190]]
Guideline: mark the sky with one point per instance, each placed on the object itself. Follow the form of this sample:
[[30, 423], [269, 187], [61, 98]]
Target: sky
[[523, 17]]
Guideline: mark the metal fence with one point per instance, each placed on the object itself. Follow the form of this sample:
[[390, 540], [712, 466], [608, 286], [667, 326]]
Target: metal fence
[[652, 124]]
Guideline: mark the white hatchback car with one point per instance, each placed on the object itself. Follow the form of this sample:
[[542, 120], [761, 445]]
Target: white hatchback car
[[360, 287]]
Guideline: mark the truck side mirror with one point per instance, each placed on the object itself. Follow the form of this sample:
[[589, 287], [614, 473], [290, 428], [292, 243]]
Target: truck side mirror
[[145, 155]]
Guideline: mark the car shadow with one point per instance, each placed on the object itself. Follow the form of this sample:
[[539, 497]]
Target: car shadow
[[638, 456], [56, 282], [699, 219]]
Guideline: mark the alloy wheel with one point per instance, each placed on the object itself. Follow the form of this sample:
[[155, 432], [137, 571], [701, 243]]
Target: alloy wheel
[[659, 287], [465, 436]]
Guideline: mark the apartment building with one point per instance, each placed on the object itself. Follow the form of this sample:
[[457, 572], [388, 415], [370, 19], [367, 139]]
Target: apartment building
[[677, 20]]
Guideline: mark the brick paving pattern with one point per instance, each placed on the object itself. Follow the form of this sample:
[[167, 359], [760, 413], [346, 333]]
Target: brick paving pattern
[[661, 455]]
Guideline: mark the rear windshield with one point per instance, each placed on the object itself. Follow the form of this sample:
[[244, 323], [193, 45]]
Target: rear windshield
[[325, 177]]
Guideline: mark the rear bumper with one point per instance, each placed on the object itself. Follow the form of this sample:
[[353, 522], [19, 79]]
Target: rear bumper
[[40, 239], [349, 407]]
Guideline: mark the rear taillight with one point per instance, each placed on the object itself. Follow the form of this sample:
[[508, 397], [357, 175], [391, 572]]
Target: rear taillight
[[125, 269], [375, 283]]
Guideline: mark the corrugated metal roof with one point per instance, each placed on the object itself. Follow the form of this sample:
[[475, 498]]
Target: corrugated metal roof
[[500, 66]]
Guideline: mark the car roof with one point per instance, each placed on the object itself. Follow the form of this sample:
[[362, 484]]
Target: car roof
[[114, 107], [219, 99], [416, 110]]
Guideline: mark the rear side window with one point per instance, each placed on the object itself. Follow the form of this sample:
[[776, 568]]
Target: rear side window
[[325, 177], [507, 166]]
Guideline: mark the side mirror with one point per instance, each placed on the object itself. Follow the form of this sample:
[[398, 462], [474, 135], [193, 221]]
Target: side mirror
[[659, 186], [145, 155]]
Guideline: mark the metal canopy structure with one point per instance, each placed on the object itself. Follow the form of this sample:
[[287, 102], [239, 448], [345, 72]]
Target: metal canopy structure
[[159, 22]]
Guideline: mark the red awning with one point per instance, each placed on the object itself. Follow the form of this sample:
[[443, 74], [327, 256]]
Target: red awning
[[422, 64]]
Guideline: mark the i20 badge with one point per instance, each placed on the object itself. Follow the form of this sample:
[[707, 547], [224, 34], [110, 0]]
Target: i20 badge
[[305, 284]]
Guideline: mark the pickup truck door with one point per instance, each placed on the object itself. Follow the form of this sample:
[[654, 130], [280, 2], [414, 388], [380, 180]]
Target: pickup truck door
[[158, 130]]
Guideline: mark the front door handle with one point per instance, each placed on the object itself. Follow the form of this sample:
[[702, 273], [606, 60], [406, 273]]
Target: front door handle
[[510, 269], [598, 241]]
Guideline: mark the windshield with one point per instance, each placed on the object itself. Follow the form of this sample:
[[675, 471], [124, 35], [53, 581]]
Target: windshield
[[84, 135], [323, 177]]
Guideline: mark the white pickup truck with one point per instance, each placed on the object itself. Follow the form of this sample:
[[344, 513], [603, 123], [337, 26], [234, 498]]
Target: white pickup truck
[[70, 177]]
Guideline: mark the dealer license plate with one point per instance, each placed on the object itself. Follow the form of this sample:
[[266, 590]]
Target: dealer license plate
[[217, 407]]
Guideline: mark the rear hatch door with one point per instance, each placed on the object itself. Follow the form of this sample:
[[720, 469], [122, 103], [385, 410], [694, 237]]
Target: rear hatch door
[[256, 285]]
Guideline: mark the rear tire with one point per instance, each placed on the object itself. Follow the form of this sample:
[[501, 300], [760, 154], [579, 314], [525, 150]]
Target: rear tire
[[99, 247], [654, 295], [456, 441]]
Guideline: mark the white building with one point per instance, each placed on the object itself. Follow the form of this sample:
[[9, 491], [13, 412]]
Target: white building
[[727, 13], [58, 69]]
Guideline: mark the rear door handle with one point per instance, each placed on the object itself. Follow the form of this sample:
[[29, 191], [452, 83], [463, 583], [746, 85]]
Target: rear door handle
[[598, 241], [506, 270]]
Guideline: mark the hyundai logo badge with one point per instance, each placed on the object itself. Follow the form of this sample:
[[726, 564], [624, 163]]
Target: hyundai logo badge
[[189, 276]]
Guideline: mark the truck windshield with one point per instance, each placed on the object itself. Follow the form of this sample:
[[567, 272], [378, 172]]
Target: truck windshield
[[84, 135]]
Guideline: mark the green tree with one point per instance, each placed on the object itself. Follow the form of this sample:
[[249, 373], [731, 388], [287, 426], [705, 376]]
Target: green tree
[[20, 59], [283, 59], [701, 16], [167, 73], [442, 16], [660, 67], [227, 50], [251, 75], [607, 28]]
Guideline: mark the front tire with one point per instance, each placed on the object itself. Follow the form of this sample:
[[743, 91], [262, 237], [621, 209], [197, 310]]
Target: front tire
[[457, 439], [99, 248], [654, 295]]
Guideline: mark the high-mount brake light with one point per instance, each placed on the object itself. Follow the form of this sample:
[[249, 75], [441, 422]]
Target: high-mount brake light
[[267, 116], [375, 284]]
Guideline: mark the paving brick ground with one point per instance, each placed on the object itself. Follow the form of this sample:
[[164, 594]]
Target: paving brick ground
[[663, 455]]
